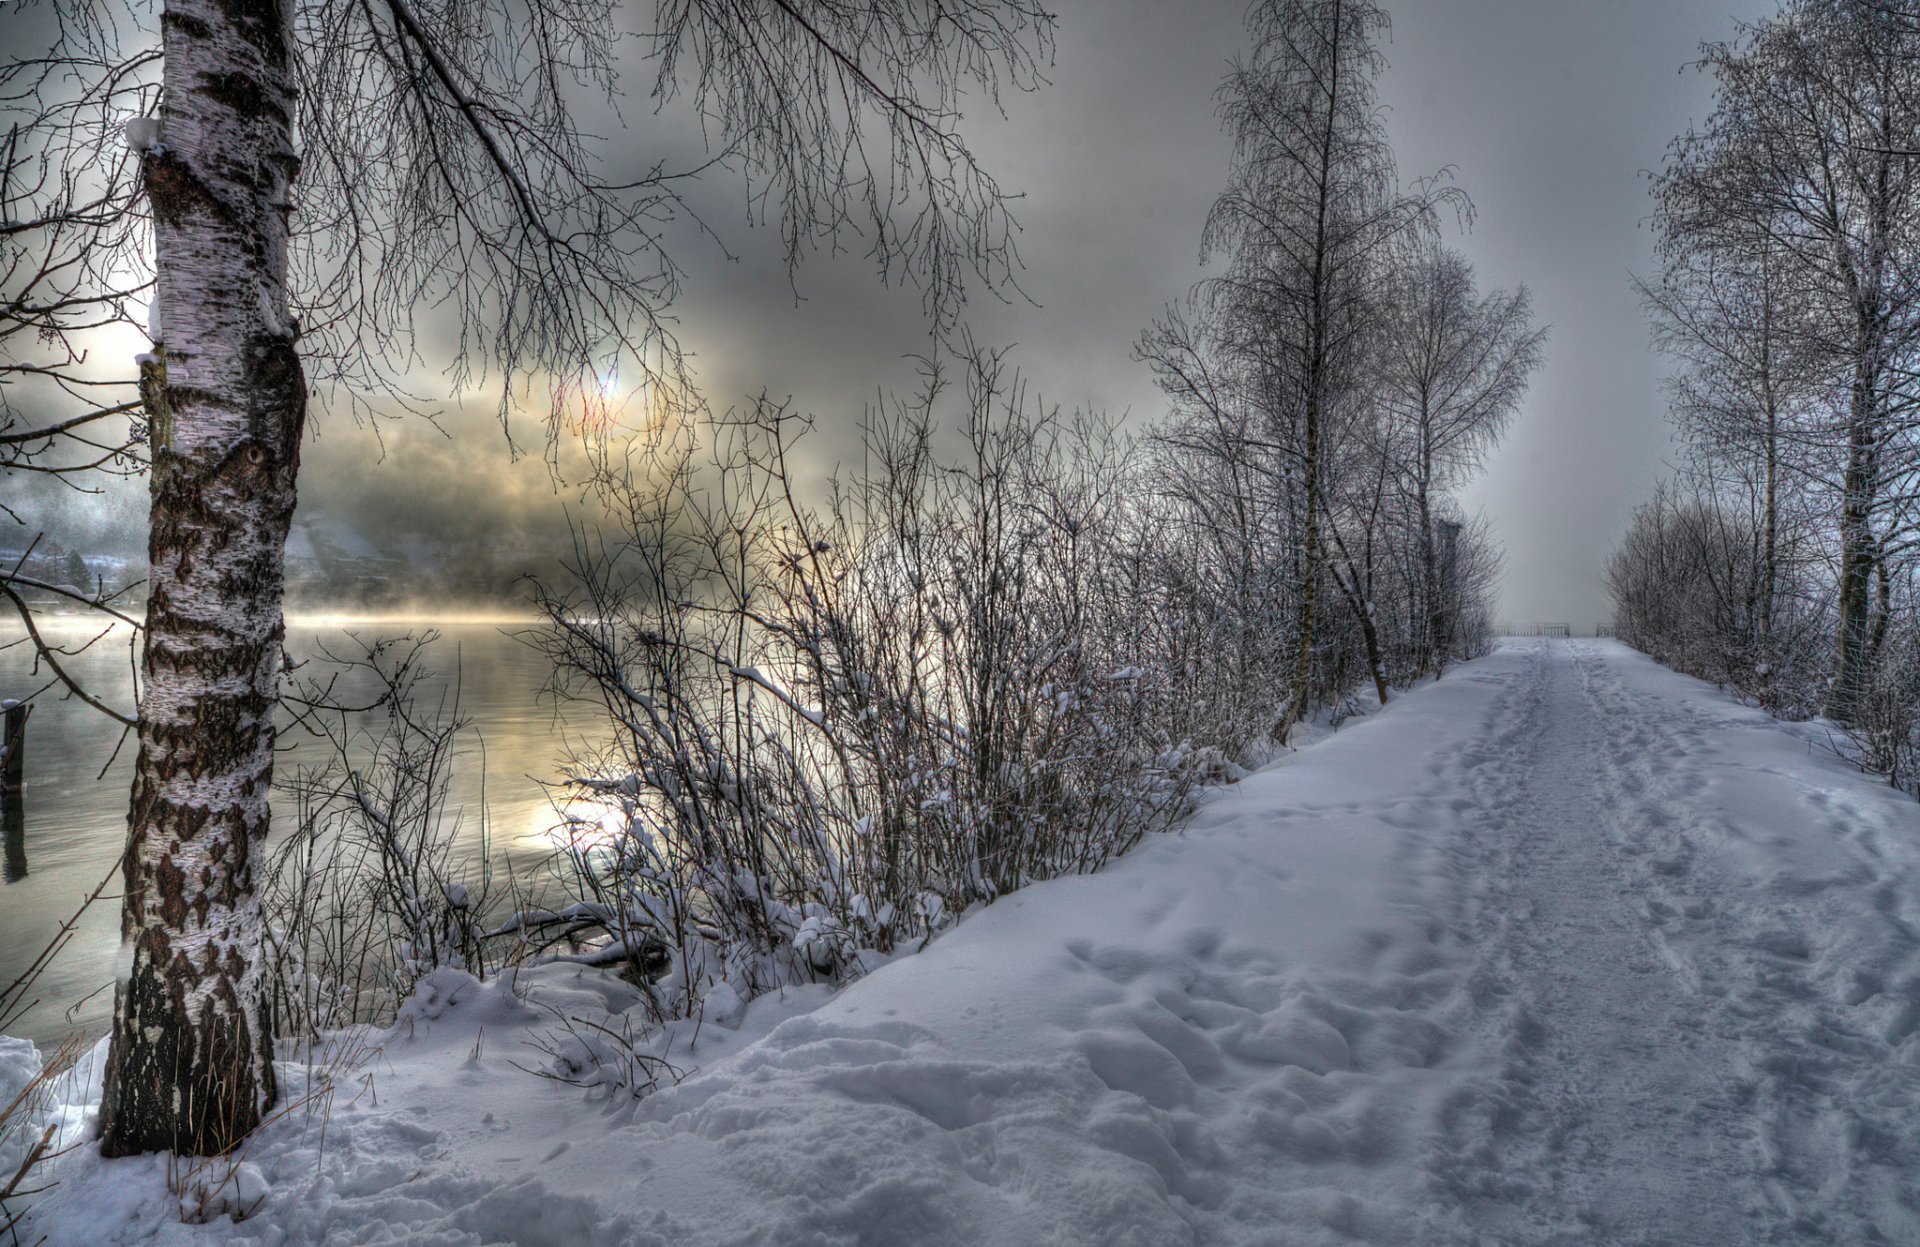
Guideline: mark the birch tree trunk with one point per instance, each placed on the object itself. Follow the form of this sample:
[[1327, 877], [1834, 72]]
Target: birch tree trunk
[[1861, 483], [1770, 451], [1860, 489], [1357, 588], [1770, 535], [190, 1063], [1302, 684], [1317, 310]]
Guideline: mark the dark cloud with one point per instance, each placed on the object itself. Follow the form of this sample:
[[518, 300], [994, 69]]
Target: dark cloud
[[1547, 111], [1117, 161]]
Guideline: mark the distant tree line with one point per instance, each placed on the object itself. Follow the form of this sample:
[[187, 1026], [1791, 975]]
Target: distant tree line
[[1780, 560]]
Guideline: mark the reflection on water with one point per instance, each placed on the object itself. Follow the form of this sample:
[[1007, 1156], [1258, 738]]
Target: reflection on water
[[14, 834], [79, 774]]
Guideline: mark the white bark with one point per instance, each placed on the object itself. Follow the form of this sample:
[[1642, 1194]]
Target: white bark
[[190, 1065]]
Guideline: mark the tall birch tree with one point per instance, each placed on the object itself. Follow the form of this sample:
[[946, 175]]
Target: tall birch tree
[[191, 1060], [1456, 364], [1748, 398], [1807, 151], [1311, 207]]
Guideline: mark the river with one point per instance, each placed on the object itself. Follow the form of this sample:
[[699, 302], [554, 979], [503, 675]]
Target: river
[[77, 786]]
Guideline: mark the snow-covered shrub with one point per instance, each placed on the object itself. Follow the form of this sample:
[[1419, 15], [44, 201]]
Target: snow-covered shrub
[[29, 1133], [831, 718], [366, 896], [1690, 587], [1886, 720], [832, 728]]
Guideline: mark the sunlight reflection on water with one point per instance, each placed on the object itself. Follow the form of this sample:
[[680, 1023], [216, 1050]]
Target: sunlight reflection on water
[[76, 815]]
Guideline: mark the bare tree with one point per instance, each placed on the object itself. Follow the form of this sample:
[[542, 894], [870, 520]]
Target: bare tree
[[71, 275], [1457, 364], [1804, 162], [1309, 211], [1750, 399], [1306, 224], [309, 174], [1225, 535]]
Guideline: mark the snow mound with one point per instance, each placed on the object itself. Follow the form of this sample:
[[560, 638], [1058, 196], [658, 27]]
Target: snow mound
[[19, 1066]]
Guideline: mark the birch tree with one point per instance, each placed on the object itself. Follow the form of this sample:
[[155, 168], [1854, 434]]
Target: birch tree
[[1311, 207], [1750, 399], [1456, 364], [313, 172], [1807, 149]]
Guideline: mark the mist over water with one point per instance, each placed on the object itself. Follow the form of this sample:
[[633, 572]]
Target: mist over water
[[79, 773]]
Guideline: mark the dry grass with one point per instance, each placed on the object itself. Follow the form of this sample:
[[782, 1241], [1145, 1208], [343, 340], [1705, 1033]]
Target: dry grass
[[209, 1187]]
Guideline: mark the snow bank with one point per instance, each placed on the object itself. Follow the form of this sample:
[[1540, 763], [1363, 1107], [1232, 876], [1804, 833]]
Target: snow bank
[[1224, 1032], [19, 1065], [1300, 1020]]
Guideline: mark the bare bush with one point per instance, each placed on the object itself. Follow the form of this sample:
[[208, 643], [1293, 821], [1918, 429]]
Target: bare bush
[[1886, 722], [367, 894], [831, 729], [1691, 587]]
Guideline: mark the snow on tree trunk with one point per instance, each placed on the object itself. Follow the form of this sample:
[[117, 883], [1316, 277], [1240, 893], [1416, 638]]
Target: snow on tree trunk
[[190, 1063]]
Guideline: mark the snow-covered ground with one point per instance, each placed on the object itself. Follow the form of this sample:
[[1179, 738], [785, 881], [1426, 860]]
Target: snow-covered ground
[[1564, 948]]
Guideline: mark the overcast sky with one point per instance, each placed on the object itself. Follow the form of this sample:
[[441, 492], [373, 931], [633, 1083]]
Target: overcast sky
[[1550, 111]]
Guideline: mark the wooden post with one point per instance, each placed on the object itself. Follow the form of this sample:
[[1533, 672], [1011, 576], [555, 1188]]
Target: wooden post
[[13, 745], [13, 800]]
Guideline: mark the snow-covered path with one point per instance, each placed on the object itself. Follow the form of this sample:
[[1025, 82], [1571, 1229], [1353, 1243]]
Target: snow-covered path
[[1692, 958], [1563, 949]]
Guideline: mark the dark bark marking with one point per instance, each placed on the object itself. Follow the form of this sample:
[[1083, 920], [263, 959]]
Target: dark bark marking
[[175, 191], [146, 1081], [170, 891], [242, 93], [190, 27]]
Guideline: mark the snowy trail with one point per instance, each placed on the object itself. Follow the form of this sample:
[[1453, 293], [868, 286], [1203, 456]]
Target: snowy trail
[[1677, 1064], [1563, 949], [1606, 1116]]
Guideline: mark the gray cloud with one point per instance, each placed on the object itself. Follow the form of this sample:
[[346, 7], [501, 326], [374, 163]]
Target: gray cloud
[[1549, 110]]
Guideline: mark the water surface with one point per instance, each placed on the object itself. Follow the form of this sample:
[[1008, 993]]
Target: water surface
[[79, 774]]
